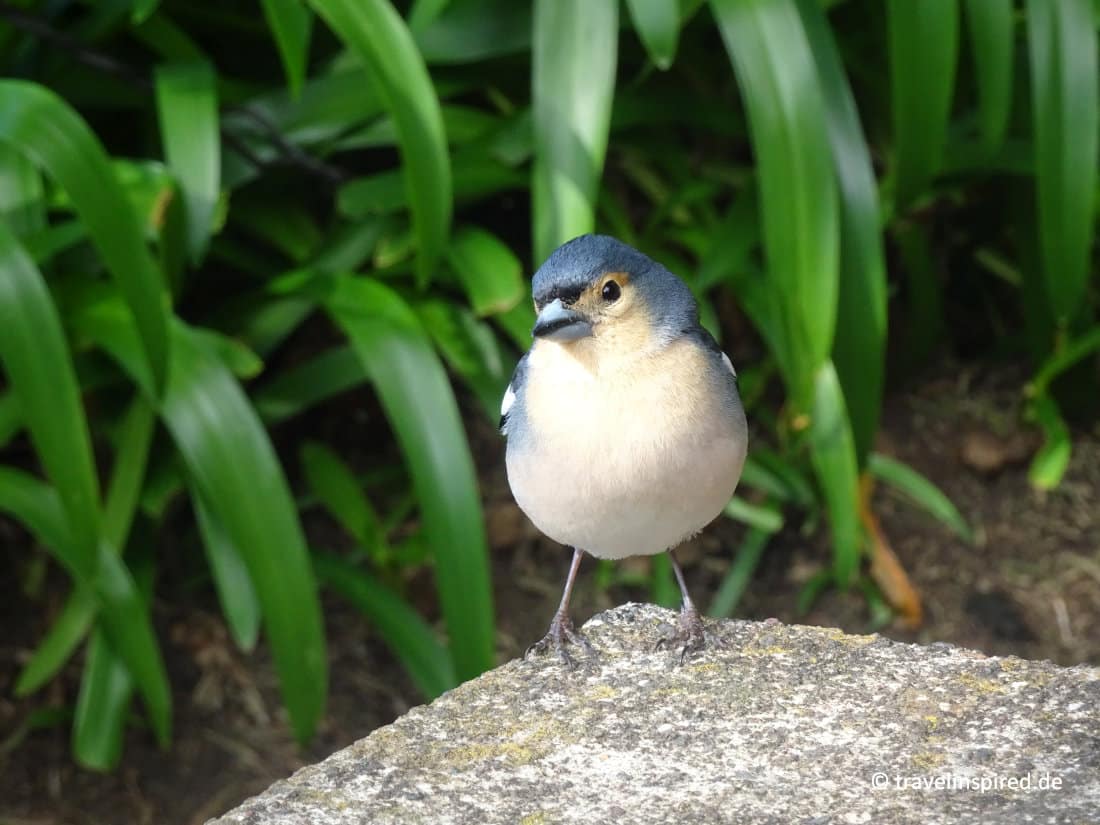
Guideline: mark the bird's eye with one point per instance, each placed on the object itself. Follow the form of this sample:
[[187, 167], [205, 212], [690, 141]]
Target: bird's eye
[[611, 292]]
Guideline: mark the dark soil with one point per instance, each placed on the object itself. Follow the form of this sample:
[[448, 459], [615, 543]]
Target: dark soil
[[1030, 587]]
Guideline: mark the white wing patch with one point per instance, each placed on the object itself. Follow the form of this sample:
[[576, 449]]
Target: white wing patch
[[726, 358], [510, 399]]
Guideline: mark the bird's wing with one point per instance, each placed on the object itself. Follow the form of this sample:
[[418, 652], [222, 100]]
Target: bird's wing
[[706, 340], [515, 386]]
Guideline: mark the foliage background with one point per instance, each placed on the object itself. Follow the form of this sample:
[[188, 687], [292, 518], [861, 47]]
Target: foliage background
[[217, 217]]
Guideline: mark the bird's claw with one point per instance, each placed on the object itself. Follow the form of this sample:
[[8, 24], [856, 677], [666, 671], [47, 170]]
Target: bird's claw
[[690, 635], [560, 634]]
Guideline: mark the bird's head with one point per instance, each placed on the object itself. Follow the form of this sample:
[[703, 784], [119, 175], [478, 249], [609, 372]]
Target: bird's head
[[595, 293]]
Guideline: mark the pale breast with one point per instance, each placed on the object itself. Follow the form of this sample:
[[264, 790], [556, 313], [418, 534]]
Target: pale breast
[[627, 461]]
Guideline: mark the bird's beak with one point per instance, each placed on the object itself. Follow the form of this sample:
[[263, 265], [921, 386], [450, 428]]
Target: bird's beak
[[560, 324]]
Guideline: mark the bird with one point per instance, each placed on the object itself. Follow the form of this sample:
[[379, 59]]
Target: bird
[[625, 432]]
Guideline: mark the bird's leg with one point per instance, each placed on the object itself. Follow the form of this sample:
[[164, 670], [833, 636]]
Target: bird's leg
[[561, 627], [689, 636]]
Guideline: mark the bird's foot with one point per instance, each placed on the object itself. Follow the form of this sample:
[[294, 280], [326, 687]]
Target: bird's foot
[[560, 634], [689, 635]]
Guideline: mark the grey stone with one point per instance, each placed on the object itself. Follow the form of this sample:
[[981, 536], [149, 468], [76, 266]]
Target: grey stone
[[783, 724]]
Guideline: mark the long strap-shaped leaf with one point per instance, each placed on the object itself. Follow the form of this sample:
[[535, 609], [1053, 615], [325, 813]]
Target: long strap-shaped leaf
[[187, 108], [107, 683], [421, 408], [833, 454], [291, 23], [37, 361], [859, 347], [924, 46], [779, 83], [236, 593], [231, 460], [921, 491], [990, 26], [380, 38], [403, 629], [44, 127], [122, 613], [1062, 44], [39, 367], [658, 25], [127, 476], [572, 86], [22, 199]]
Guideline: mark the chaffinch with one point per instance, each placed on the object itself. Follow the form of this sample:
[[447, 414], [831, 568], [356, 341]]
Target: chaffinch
[[625, 430]]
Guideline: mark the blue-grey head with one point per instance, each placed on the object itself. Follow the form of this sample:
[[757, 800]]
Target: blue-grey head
[[597, 288]]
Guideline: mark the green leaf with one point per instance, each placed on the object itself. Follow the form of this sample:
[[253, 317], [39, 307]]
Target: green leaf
[[128, 474], [403, 629], [122, 615], [330, 103], [469, 32], [662, 586], [297, 389], [264, 325], [832, 452], [107, 685], [422, 411], [921, 492], [44, 246], [798, 190], [859, 345], [105, 692], [924, 45], [572, 87], [379, 194], [518, 323], [350, 246], [142, 10], [489, 271], [187, 107], [811, 590], [470, 349], [1065, 357], [38, 364], [1064, 88], [767, 518], [236, 594], [167, 40], [991, 40], [464, 126], [288, 227], [423, 12], [129, 631], [232, 462], [336, 487], [41, 125], [658, 25], [1050, 462], [291, 23], [22, 199], [78, 613], [774, 475], [379, 37], [736, 581], [924, 324], [36, 506], [66, 633]]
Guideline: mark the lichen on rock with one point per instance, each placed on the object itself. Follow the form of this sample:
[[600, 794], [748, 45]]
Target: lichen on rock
[[781, 724]]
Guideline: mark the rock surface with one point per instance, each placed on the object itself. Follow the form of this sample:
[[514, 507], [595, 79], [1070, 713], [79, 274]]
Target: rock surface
[[784, 724]]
